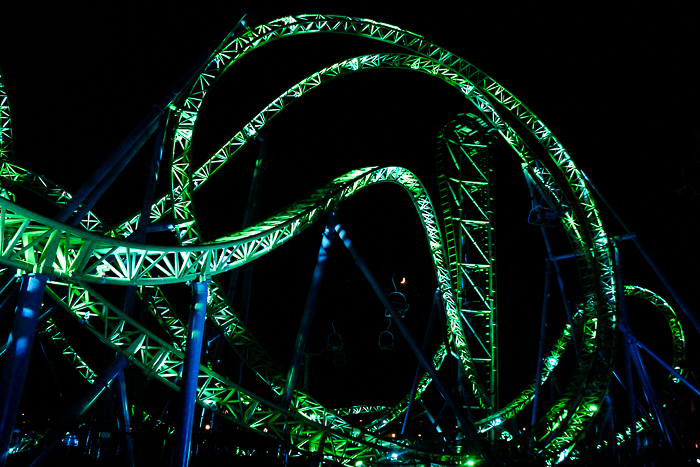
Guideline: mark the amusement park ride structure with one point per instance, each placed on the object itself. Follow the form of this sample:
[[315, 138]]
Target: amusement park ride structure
[[88, 287]]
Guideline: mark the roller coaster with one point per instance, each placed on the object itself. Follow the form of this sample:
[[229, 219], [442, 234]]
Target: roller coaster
[[66, 264]]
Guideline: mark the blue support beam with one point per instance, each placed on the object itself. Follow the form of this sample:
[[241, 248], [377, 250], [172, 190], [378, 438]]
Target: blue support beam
[[540, 353], [190, 371], [426, 340], [19, 350], [309, 309]]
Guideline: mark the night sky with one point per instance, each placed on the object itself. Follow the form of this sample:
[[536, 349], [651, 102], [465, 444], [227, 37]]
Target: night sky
[[617, 86]]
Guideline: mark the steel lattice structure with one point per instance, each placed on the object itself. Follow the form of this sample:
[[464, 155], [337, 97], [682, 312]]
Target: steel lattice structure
[[460, 237]]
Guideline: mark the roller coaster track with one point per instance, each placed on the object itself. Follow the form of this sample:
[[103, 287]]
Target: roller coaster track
[[76, 257]]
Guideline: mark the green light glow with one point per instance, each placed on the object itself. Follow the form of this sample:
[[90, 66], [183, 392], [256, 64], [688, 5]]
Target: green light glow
[[86, 257], [583, 225]]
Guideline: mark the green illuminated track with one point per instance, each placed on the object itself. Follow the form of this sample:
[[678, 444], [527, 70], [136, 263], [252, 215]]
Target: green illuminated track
[[76, 258]]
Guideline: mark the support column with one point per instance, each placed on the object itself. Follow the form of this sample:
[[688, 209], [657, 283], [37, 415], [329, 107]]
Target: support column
[[190, 371], [252, 213], [426, 339], [540, 353], [14, 368], [308, 315], [624, 328], [562, 290], [123, 416]]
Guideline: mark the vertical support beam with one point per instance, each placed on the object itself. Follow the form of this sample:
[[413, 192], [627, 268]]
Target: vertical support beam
[[77, 410], [249, 218], [495, 374], [190, 371], [610, 427], [426, 339], [252, 212], [540, 353], [624, 328], [19, 350], [139, 236], [153, 170], [309, 309], [123, 414], [560, 280], [396, 318], [650, 396]]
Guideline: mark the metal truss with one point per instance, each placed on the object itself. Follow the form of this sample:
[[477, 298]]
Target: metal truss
[[596, 284], [74, 257], [35, 243], [162, 360], [6, 149], [678, 338], [564, 184], [14, 176], [542, 175], [466, 199]]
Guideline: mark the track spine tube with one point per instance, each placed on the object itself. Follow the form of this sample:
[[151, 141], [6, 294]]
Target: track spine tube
[[19, 350], [250, 217], [190, 372], [463, 420]]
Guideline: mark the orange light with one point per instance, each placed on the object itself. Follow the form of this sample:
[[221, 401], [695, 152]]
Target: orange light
[[207, 427], [403, 280], [393, 435]]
